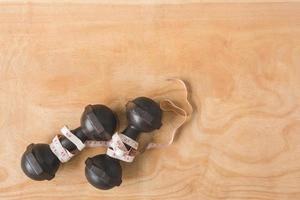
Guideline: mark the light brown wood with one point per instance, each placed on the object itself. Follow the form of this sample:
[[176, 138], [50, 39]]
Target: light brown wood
[[242, 64]]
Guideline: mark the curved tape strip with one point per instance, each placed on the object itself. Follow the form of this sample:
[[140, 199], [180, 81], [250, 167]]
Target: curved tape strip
[[169, 106], [118, 150], [61, 153], [75, 140], [116, 145]]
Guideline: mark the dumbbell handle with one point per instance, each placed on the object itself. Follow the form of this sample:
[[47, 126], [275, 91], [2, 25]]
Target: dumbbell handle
[[132, 133], [67, 144]]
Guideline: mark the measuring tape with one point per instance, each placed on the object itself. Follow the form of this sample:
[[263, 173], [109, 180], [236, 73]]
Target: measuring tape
[[116, 146]]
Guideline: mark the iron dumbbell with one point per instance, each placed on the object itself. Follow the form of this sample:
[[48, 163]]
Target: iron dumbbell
[[39, 162], [143, 115]]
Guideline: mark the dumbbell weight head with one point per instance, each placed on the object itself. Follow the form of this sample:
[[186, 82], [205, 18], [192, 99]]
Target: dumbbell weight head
[[103, 172], [144, 114]]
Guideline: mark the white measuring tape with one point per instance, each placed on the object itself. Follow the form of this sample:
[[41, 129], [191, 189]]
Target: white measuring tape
[[62, 153], [116, 146], [118, 150]]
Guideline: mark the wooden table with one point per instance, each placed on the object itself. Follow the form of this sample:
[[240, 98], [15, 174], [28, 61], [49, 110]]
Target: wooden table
[[240, 60]]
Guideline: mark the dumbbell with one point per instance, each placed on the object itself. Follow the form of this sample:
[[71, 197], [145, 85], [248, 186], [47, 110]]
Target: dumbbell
[[143, 115], [39, 162]]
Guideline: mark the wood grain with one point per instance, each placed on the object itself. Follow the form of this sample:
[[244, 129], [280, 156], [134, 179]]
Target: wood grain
[[242, 63]]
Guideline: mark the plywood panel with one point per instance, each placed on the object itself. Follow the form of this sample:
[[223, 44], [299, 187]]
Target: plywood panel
[[242, 64]]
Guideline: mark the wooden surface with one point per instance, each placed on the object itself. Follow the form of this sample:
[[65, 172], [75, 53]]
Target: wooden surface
[[242, 64]]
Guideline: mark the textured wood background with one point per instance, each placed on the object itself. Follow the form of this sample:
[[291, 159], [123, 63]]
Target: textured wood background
[[242, 63]]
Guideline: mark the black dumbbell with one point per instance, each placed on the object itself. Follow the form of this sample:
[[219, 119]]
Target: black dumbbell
[[143, 115], [98, 122]]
